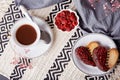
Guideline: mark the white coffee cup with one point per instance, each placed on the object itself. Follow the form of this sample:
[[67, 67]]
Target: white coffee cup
[[20, 23]]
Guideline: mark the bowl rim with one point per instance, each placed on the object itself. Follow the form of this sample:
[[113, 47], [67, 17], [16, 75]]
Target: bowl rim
[[107, 72]]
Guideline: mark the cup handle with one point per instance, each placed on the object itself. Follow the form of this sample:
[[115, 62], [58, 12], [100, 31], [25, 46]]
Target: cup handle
[[45, 37]]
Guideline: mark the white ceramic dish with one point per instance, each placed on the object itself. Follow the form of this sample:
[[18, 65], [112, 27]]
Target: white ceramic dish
[[38, 49], [70, 11], [83, 41]]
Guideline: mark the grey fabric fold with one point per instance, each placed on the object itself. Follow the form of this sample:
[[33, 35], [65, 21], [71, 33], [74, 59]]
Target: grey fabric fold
[[34, 4], [3, 77], [94, 20]]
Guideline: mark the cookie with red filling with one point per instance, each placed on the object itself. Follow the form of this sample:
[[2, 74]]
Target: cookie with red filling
[[84, 54], [100, 58], [97, 55]]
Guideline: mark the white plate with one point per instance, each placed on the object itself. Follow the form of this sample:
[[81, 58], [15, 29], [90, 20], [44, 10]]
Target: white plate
[[83, 41], [37, 50]]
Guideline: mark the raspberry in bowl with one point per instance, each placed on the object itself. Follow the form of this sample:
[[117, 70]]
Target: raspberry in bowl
[[66, 20]]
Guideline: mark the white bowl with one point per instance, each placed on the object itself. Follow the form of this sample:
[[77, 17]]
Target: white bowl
[[70, 11], [83, 41]]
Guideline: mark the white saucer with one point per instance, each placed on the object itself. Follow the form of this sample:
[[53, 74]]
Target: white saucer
[[38, 49]]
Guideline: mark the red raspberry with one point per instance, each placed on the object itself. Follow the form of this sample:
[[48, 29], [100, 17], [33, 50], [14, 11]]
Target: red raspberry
[[64, 21], [72, 16], [62, 14], [74, 23]]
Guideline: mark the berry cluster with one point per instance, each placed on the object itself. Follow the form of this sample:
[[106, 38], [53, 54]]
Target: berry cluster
[[66, 20]]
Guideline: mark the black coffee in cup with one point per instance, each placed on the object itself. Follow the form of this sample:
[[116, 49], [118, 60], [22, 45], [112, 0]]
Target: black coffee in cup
[[26, 34]]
